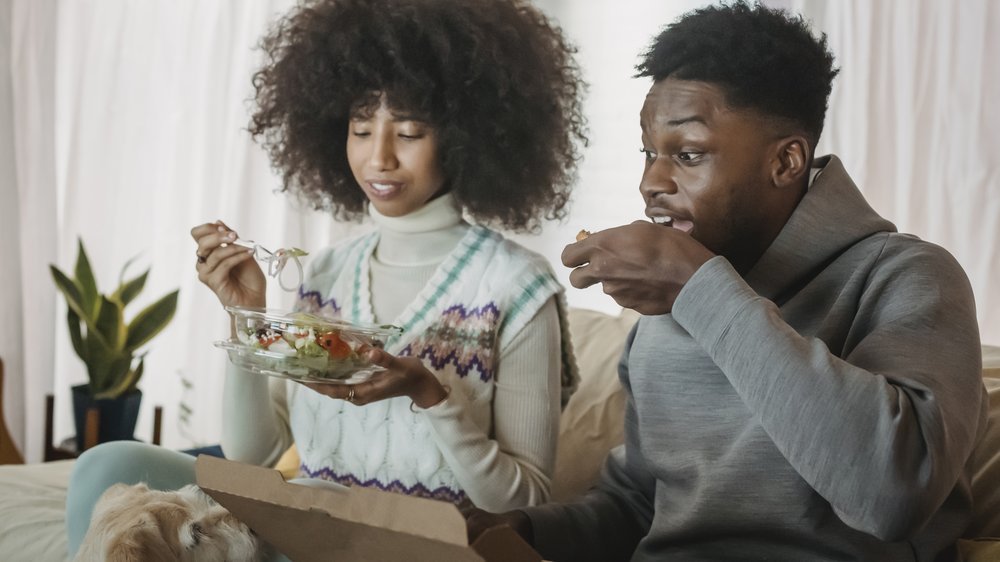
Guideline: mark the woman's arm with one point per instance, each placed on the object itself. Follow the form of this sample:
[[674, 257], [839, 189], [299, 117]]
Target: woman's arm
[[514, 467], [255, 427]]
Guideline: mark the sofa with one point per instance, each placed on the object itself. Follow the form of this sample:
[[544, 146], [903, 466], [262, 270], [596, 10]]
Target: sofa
[[32, 497]]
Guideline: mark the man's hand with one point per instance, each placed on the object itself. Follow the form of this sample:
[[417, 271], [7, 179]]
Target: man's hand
[[643, 266], [478, 521]]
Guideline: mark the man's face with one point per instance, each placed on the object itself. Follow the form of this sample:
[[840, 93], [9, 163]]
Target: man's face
[[708, 168]]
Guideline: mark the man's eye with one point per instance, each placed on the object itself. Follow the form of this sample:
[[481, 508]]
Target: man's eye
[[649, 154], [689, 157]]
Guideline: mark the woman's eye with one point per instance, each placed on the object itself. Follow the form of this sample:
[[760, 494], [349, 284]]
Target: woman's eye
[[411, 137], [361, 134]]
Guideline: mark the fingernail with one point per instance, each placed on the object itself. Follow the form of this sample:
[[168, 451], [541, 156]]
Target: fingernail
[[220, 229], [231, 236]]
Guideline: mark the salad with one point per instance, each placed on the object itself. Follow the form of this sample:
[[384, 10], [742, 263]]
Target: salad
[[303, 346]]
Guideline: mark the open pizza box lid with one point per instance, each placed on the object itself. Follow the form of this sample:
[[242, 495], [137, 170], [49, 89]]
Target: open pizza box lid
[[309, 524]]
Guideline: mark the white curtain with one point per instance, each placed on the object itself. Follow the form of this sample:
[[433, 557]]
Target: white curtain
[[128, 127], [141, 134], [914, 114], [28, 225]]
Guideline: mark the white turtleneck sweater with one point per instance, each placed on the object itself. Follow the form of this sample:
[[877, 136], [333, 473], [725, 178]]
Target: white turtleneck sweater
[[502, 467]]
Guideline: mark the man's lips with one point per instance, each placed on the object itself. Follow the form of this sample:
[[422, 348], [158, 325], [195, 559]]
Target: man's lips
[[684, 225]]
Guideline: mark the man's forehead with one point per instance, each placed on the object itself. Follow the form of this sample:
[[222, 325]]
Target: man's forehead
[[674, 102]]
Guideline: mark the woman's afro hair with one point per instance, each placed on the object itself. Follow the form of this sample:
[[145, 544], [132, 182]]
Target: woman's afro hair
[[763, 59], [495, 78]]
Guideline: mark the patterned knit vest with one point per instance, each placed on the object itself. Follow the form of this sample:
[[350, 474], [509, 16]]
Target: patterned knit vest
[[480, 297]]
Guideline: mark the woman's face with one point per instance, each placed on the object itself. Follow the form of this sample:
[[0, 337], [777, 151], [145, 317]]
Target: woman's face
[[394, 158]]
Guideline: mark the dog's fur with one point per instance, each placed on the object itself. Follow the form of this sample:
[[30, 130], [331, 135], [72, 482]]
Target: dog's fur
[[134, 523]]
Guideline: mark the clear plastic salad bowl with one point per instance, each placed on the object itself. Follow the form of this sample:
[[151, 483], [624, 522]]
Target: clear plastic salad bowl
[[302, 346]]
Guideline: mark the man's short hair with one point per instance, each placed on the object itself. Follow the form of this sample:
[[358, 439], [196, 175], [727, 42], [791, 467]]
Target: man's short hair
[[763, 59]]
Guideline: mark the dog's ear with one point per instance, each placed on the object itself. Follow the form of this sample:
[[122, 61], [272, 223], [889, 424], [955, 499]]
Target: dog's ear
[[144, 546]]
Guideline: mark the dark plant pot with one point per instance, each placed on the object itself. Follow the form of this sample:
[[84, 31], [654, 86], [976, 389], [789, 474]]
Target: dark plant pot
[[118, 415]]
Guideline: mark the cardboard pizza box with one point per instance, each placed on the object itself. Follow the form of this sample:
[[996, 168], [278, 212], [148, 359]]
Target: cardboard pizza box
[[310, 524]]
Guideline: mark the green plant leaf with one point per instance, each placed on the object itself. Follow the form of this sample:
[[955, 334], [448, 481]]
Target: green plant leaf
[[73, 320], [118, 370], [121, 276], [123, 383], [99, 359], [126, 292], [71, 291], [150, 321], [111, 324], [84, 277]]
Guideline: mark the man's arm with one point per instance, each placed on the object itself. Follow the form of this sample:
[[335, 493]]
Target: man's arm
[[608, 522], [882, 433]]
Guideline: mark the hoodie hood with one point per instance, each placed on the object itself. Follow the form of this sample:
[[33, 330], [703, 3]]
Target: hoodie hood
[[832, 217]]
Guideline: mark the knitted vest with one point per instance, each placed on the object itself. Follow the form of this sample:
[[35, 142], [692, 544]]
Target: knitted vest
[[480, 297]]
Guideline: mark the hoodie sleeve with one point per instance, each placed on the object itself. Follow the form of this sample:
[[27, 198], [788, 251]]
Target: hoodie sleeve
[[609, 521], [882, 428]]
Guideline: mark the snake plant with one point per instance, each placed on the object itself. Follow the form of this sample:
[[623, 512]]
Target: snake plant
[[107, 344]]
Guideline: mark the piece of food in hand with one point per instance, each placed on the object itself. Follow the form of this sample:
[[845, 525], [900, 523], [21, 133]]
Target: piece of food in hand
[[582, 234]]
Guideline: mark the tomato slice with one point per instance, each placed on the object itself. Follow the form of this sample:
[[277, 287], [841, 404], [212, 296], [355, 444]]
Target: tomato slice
[[336, 347]]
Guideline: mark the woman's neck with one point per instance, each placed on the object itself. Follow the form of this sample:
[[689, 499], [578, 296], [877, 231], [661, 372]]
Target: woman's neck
[[422, 237]]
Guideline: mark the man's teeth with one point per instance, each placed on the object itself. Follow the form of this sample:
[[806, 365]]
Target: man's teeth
[[663, 220]]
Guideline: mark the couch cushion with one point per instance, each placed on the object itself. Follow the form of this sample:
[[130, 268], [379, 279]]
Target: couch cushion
[[986, 479], [593, 421]]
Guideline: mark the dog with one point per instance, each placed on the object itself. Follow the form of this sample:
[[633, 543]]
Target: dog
[[134, 523]]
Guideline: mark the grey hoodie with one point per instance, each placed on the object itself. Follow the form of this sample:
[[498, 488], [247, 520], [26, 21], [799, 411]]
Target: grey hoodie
[[824, 407]]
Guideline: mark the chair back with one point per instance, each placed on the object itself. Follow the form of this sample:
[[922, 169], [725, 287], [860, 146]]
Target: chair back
[[8, 450]]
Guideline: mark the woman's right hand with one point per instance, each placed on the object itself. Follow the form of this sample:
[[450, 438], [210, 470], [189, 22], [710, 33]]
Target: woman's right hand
[[227, 269]]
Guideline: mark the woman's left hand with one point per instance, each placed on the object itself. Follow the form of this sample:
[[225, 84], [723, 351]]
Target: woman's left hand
[[403, 376]]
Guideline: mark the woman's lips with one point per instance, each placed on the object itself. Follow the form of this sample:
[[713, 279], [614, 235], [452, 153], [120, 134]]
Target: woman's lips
[[384, 189]]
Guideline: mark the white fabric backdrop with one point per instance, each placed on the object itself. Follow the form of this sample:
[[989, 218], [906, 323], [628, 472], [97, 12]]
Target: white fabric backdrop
[[130, 128], [29, 227], [914, 114]]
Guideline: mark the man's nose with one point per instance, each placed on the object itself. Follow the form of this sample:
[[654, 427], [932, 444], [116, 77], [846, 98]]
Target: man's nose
[[658, 178], [383, 155]]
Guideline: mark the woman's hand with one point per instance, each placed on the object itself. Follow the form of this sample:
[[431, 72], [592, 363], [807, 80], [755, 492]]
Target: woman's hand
[[230, 270], [403, 376]]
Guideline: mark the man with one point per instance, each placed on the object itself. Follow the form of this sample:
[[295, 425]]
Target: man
[[805, 382]]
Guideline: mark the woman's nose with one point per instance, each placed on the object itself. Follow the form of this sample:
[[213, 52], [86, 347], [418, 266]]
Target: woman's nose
[[383, 154]]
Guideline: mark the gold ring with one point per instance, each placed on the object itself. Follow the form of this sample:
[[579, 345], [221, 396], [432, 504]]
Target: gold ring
[[350, 395]]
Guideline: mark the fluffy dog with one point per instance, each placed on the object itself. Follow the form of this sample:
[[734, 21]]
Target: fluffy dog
[[134, 523]]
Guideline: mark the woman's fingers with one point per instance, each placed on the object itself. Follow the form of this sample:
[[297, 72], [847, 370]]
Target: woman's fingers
[[211, 236], [220, 258]]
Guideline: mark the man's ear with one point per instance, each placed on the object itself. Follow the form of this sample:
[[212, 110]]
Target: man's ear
[[791, 162]]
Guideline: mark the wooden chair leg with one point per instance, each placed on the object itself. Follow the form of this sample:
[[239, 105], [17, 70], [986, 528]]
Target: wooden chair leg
[[8, 451], [90, 432], [49, 454], [91, 428], [157, 424]]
